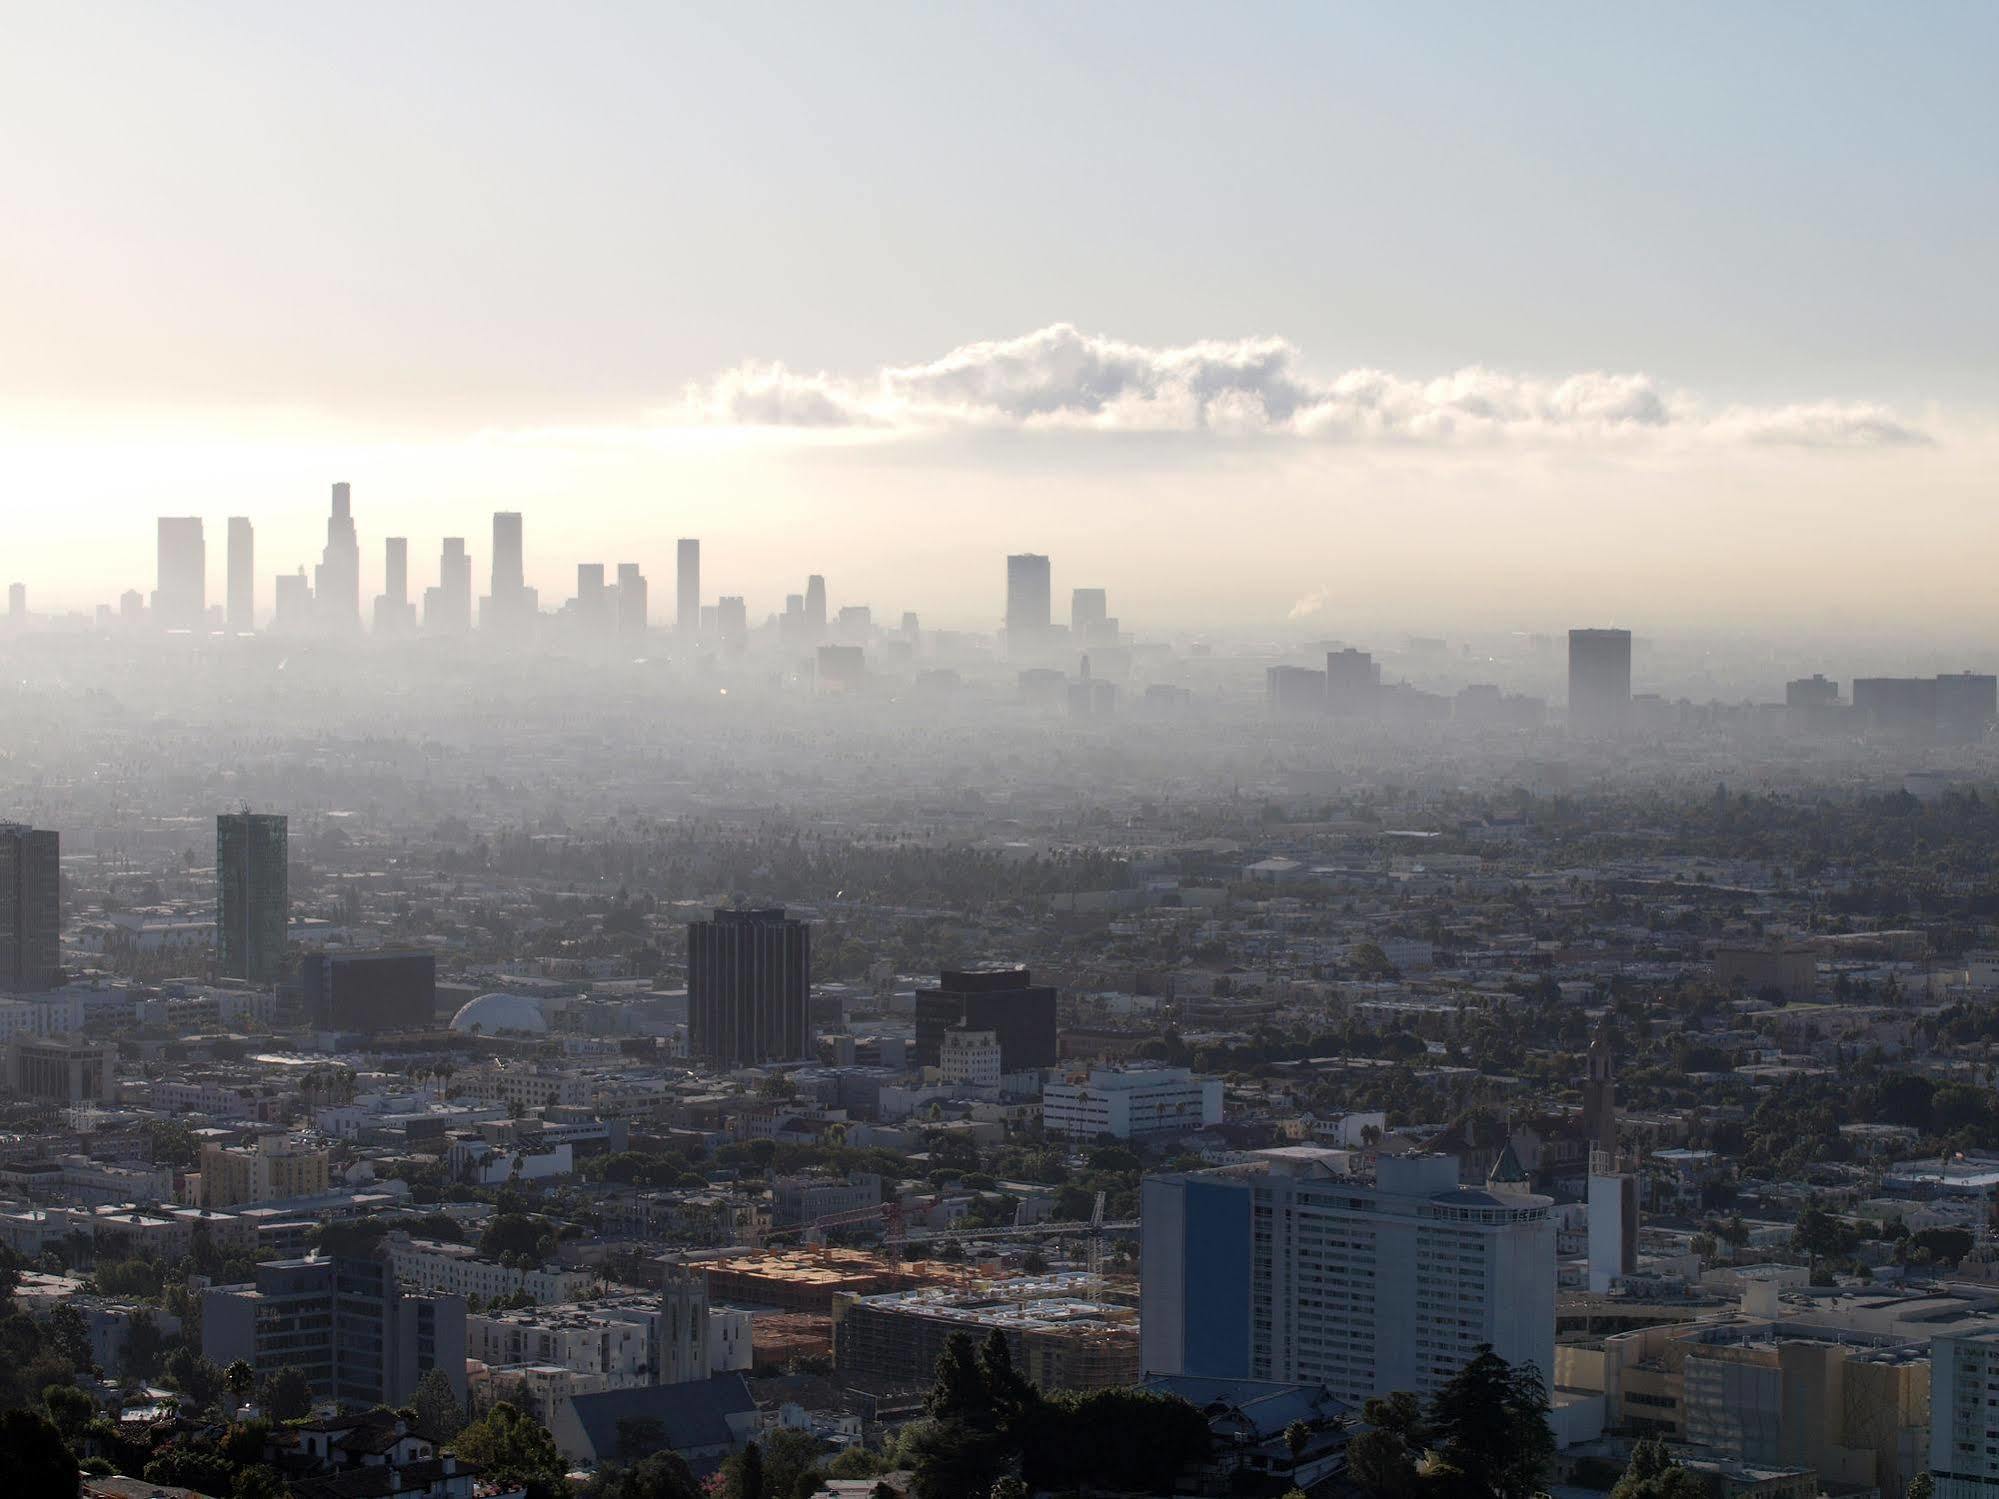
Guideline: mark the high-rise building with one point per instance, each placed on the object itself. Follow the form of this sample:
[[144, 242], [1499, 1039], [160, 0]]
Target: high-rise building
[[394, 613], [252, 895], [593, 601], [1027, 603], [1005, 1001], [242, 615], [359, 1338], [180, 599], [815, 608], [633, 615], [1811, 692], [336, 582], [687, 598], [369, 992], [1600, 1091], [17, 605], [1964, 1414], [683, 1325], [748, 977], [732, 622], [510, 608], [1353, 683], [1599, 679], [30, 908], [291, 610], [447, 608], [1090, 618], [1300, 1273]]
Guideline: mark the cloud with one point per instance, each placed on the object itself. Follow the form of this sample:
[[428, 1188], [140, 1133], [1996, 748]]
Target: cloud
[[1060, 378]]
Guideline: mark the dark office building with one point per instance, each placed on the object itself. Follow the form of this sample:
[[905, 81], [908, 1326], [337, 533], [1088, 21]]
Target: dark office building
[[1599, 679], [369, 992], [252, 896], [1353, 683], [344, 1323], [1005, 1001], [748, 977], [1292, 691], [1955, 707], [30, 908]]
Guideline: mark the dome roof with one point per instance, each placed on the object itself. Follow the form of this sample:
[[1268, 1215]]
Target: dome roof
[[490, 1014]]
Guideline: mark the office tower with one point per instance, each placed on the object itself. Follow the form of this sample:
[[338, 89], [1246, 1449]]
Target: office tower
[[252, 896], [633, 608], [1353, 683], [510, 608], [17, 604], [911, 631], [1294, 691], [369, 992], [30, 908], [815, 607], [748, 977], [1811, 692], [394, 613], [791, 623], [132, 607], [593, 601], [1005, 1001], [242, 575], [1966, 703], [1027, 603], [336, 582], [360, 1339], [732, 622], [1300, 1273], [1964, 1413], [840, 668], [1089, 618], [180, 600], [292, 604], [1612, 1222], [447, 608], [856, 622], [1599, 679], [687, 602]]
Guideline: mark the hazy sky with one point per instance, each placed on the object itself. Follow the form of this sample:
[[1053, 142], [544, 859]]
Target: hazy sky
[[1464, 312]]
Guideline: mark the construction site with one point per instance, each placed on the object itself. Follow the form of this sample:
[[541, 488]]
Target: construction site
[[809, 1279], [1063, 1333]]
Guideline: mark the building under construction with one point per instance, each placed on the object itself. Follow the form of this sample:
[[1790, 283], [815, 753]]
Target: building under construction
[[1062, 1338], [808, 1279]]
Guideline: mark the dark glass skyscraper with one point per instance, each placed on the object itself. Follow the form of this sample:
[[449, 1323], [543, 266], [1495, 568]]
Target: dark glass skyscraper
[[252, 896], [748, 977], [30, 908]]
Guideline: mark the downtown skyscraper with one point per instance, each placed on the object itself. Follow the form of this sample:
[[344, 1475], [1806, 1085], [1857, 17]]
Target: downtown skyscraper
[[447, 608], [394, 613], [687, 596], [336, 582], [242, 610], [180, 595], [748, 975], [252, 896], [510, 607], [1028, 604]]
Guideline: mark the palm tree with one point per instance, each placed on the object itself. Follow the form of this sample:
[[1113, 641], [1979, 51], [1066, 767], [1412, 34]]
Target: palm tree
[[239, 1378]]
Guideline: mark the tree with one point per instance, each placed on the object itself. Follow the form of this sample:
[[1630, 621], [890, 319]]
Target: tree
[[1922, 1486], [199, 1379], [663, 1475], [71, 1336], [1297, 1437], [438, 1413], [145, 1347], [285, 1394], [39, 1462], [513, 1449], [70, 1409], [258, 1482], [239, 1379], [1491, 1422], [1653, 1474], [747, 1482]]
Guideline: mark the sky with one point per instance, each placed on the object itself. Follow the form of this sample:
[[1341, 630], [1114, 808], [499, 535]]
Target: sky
[[1278, 317]]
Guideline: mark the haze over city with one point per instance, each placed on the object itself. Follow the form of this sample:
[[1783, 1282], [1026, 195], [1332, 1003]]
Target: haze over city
[[998, 752]]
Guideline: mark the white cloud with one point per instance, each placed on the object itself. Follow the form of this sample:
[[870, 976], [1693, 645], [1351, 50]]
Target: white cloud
[[1060, 378]]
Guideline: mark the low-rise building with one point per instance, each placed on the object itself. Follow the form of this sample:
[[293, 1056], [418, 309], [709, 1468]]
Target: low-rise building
[[1131, 1102]]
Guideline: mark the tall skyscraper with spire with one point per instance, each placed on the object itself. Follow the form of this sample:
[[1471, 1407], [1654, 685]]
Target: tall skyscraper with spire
[[336, 582], [510, 608], [815, 608]]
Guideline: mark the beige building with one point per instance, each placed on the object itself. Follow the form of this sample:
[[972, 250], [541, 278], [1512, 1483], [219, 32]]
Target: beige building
[[272, 1170]]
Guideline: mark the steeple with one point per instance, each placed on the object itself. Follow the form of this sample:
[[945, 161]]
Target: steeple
[[1600, 1091]]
